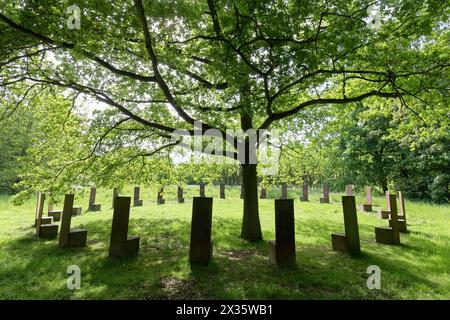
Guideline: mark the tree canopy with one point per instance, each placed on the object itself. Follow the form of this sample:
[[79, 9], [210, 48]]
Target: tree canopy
[[154, 67]]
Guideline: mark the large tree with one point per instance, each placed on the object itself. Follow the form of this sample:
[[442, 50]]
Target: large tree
[[224, 64]]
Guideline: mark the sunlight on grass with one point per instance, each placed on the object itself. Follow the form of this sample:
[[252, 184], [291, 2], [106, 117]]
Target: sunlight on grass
[[36, 269]]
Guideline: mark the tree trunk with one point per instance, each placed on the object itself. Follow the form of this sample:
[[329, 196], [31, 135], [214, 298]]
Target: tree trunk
[[251, 227], [383, 185], [379, 170]]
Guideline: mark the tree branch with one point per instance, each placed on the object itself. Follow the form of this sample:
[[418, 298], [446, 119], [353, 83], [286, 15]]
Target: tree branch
[[72, 46], [159, 79], [285, 114], [103, 97], [206, 83], [214, 17], [154, 60]]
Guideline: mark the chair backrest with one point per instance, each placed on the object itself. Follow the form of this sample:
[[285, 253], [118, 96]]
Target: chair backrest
[[200, 245], [368, 195], [351, 224], [39, 210], [402, 204], [115, 195], [305, 190], [284, 228], [349, 190], [66, 219], [263, 193], [119, 229], [137, 193], [326, 191], [388, 200], [92, 196], [394, 218], [284, 191], [160, 195], [202, 189]]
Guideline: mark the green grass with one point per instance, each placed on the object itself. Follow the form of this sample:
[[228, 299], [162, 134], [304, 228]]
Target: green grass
[[36, 269]]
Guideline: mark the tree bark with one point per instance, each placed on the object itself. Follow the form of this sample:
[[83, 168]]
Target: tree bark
[[383, 185], [251, 226]]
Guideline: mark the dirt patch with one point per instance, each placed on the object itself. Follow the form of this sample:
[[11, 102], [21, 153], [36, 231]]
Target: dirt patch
[[182, 289], [92, 241], [239, 254]]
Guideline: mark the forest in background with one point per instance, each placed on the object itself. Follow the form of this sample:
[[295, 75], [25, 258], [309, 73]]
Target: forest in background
[[386, 146]]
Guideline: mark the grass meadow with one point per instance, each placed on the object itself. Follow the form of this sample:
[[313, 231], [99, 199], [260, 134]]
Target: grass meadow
[[32, 268]]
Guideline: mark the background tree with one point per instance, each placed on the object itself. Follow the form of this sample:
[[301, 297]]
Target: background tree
[[361, 150], [16, 136], [389, 147]]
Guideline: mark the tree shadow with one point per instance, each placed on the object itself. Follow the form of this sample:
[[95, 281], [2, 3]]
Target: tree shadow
[[239, 269]]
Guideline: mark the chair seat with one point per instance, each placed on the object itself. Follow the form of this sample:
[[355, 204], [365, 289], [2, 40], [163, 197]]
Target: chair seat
[[324, 200], [77, 238], [280, 256], [95, 207], [339, 242], [384, 214], [55, 214], [73, 231], [76, 211], [401, 225], [50, 225], [48, 231], [45, 221], [384, 228], [338, 234], [132, 245], [384, 235]]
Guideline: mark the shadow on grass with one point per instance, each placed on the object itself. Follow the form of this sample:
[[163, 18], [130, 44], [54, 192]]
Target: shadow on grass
[[239, 270]]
